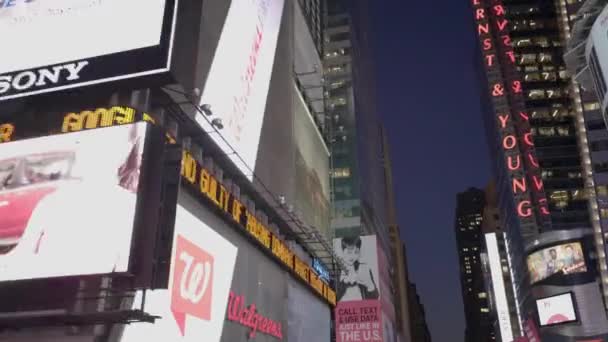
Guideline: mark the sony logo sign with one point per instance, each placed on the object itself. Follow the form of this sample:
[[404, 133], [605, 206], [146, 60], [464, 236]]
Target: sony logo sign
[[41, 77]]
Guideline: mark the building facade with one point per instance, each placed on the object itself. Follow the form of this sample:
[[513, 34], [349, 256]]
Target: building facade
[[583, 63], [420, 328], [469, 240], [536, 134], [360, 193]]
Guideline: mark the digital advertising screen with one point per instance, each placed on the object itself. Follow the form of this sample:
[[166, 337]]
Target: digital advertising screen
[[556, 309], [565, 258], [61, 44], [68, 203], [239, 79]]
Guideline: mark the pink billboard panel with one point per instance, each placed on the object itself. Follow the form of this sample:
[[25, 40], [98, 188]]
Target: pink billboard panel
[[359, 321]]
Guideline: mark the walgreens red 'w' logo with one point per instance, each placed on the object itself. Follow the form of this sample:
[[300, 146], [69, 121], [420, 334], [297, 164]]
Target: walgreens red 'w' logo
[[192, 283]]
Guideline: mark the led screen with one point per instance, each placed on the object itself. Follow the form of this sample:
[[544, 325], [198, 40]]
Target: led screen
[[566, 258], [239, 78], [58, 44], [555, 310], [68, 203]]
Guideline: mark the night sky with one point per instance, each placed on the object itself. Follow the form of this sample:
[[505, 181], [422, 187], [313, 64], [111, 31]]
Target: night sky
[[428, 99]]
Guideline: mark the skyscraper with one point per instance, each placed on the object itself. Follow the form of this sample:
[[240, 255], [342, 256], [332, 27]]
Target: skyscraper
[[469, 240], [401, 274], [360, 194], [420, 328], [358, 180], [536, 135]]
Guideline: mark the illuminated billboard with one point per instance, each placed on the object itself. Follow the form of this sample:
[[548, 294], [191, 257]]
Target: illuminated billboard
[[565, 258], [498, 288], [556, 309], [196, 301], [62, 44], [599, 38], [68, 203], [238, 81], [359, 279]]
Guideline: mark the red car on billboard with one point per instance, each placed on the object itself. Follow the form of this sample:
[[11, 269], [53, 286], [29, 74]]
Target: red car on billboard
[[24, 182]]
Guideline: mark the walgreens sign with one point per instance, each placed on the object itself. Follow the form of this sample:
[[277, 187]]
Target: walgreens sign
[[250, 317], [195, 303]]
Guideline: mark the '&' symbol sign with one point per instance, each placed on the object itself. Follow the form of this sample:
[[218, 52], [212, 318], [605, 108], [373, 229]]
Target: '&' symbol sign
[[192, 283]]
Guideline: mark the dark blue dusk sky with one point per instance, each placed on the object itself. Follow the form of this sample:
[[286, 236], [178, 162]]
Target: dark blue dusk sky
[[428, 100]]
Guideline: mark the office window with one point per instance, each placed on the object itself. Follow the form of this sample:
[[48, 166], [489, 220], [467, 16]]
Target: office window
[[604, 213], [548, 76], [553, 93], [559, 198], [602, 190], [527, 58], [540, 113], [336, 37], [522, 42], [545, 57], [541, 41], [600, 145], [532, 77], [536, 94], [579, 195], [591, 106], [531, 68], [546, 131], [341, 173], [600, 167], [563, 131]]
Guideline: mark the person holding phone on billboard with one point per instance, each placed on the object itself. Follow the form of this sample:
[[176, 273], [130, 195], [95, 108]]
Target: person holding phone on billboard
[[356, 281]]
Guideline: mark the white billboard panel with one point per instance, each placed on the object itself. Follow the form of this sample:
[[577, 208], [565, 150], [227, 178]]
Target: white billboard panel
[[194, 306], [61, 44], [238, 81], [599, 38], [498, 287], [68, 203], [556, 309]]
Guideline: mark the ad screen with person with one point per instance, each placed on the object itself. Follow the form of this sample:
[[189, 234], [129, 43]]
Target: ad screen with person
[[566, 258], [68, 202], [359, 278]]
